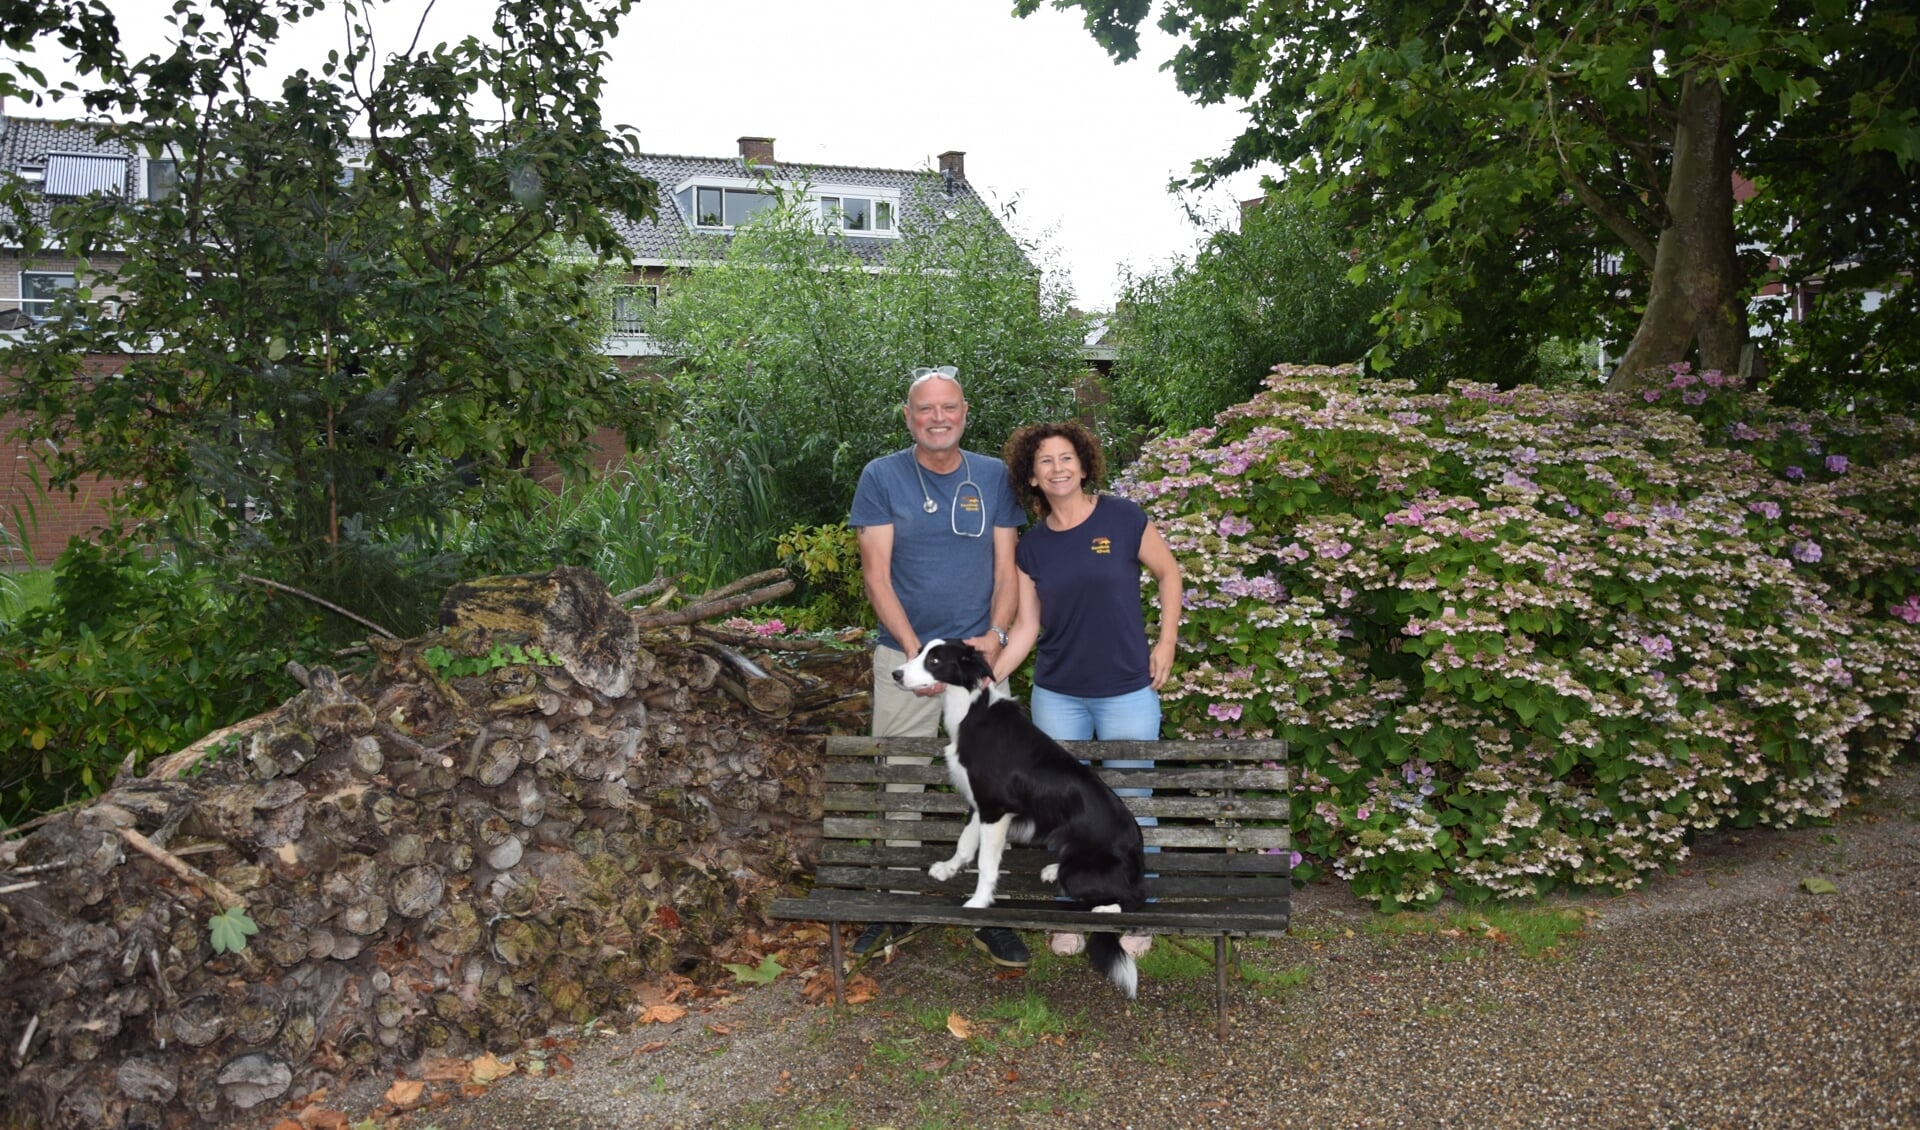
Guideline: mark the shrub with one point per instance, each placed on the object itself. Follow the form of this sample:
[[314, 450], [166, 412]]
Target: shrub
[[1522, 639], [130, 660]]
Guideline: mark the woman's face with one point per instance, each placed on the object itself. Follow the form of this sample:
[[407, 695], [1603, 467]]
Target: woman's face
[[1057, 472]]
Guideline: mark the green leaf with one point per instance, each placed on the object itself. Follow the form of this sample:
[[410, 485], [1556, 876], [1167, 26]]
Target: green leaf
[[1817, 886], [228, 931], [762, 974]]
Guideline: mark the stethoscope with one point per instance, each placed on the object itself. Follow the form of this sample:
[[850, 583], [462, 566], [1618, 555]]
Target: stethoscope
[[932, 507]]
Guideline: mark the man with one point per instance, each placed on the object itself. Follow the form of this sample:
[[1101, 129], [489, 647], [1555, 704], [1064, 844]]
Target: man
[[937, 527]]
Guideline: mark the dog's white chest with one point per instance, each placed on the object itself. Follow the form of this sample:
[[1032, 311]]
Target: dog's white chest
[[957, 773]]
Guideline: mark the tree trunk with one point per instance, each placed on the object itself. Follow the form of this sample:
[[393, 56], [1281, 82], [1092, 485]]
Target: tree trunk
[[1695, 294]]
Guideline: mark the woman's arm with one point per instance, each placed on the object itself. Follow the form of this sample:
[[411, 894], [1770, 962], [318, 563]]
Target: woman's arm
[[1023, 634], [1159, 561]]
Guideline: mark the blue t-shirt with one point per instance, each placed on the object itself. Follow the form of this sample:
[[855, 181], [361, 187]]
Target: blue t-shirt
[[944, 580], [1093, 634]]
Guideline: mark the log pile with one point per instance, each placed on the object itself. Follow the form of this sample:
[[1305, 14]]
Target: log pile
[[437, 863]]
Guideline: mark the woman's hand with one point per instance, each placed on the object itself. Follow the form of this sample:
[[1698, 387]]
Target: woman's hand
[[1160, 663]]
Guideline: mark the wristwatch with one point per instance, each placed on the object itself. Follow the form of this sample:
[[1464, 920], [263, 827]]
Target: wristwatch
[[1000, 632]]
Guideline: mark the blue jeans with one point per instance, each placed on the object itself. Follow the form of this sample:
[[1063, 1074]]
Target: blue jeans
[[1134, 716]]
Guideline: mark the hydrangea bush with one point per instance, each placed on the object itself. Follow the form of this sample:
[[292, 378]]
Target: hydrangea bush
[[1525, 639]]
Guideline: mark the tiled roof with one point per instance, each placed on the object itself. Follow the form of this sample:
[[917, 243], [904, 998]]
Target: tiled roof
[[669, 239]]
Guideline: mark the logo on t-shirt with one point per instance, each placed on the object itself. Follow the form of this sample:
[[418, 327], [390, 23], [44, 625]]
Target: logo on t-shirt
[[970, 504], [1103, 545]]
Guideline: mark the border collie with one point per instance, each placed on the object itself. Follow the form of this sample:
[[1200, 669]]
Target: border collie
[[1022, 786]]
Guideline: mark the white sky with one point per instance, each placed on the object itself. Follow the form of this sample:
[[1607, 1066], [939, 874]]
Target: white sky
[[1081, 147]]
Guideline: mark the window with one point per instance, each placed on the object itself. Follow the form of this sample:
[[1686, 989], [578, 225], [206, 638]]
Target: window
[[631, 305], [728, 207], [38, 289], [163, 177], [857, 214]]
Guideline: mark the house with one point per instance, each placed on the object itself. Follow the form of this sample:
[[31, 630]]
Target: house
[[702, 201]]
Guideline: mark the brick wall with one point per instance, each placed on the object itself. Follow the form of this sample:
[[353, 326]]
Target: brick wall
[[35, 526]]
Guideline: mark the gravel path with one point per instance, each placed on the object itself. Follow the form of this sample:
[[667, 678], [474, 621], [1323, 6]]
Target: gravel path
[[1725, 995]]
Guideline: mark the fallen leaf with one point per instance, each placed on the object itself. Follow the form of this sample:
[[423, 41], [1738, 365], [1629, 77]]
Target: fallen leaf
[[936, 1064], [486, 1069], [720, 1029], [323, 1118], [1817, 886], [961, 1028], [663, 1014], [862, 989], [472, 1090], [405, 1094], [1011, 1076], [562, 1061], [443, 1069], [650, 1047]]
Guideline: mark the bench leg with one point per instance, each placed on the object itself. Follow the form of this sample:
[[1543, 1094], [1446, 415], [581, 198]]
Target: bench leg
[[1221, 948], [839, 981]]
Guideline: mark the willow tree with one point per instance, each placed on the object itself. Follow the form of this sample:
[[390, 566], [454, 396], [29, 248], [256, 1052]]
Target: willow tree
[[1455, 139]]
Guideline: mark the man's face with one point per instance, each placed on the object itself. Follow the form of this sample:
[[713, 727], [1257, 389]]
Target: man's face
[[936, 414]]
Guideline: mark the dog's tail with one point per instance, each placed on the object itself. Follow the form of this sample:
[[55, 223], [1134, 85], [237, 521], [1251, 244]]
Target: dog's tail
[[1113, 962]]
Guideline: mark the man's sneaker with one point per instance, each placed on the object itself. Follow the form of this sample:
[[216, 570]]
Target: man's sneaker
[[1003, 947], [877, 935]]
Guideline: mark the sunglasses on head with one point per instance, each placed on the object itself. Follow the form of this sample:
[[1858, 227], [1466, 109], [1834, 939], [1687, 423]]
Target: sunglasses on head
[[923, 373]]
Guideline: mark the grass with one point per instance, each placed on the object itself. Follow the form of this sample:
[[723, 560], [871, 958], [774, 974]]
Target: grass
[[24, 591], [1538, 932]]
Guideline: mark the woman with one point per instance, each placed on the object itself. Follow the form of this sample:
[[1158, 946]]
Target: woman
[[1079, 582]]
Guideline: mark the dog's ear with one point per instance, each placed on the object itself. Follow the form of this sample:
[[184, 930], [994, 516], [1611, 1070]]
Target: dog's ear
[[974, 666]]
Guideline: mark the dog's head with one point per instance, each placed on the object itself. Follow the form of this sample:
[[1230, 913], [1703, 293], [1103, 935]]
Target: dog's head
[[952, 662]]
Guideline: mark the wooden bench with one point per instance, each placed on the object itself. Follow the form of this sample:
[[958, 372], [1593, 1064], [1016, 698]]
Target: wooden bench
[[1223, 869]]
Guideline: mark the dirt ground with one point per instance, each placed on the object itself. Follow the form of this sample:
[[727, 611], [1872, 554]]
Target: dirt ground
[[1772, 980]]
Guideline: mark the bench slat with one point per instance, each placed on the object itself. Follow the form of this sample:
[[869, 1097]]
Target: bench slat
[[1166, 835], [1208, 808], [1233, 917], [1190, 749], [1015, 884], [850, 853], [1163, 777]]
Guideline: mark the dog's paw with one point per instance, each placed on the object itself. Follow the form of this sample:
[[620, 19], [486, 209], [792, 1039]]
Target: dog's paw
[[1050, 873], [978, 902], [944, 870]]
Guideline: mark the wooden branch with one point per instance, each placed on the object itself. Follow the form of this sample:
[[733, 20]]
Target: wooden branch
[[748, 639], [697, 612], [209, 886], [659, 583], [326, 604], [174, 764], [731, 587]]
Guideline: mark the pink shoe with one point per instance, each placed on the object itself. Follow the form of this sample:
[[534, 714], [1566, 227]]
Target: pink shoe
[[1136, 944], [1066, 945]]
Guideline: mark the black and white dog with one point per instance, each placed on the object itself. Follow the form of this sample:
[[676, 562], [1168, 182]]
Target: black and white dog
[[1023, 787]]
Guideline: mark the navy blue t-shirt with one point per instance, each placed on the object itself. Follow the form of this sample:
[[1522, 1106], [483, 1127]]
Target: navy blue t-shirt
[[944, 580], [1093, 633]]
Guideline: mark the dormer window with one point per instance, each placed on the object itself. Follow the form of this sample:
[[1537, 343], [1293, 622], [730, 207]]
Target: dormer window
[[718, 207], [860, 215]]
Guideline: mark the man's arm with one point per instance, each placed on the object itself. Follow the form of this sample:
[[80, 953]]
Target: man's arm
[[876, 576]]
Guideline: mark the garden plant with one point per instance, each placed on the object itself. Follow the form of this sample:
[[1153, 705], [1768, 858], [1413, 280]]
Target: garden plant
[[1524, 639]]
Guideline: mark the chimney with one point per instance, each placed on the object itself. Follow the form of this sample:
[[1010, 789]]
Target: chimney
[[953, 164], [756, 150]]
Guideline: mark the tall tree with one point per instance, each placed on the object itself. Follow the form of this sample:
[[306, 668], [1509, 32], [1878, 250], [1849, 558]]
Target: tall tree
[[370, 289], [1455, 133], [1198, 337]]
